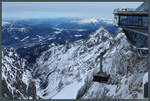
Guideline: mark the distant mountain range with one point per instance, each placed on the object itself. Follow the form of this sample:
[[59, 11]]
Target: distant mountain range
[[27, 33], [28, 36]]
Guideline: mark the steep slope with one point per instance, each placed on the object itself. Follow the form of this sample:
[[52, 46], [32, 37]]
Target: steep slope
[[17, 80], [66, 71]]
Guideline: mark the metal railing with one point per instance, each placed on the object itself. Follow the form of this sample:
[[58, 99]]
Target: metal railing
[[128, 10], [123, 10]]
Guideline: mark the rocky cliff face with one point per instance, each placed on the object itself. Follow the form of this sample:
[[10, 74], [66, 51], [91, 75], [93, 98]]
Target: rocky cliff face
[[17, 82], [66, 71]]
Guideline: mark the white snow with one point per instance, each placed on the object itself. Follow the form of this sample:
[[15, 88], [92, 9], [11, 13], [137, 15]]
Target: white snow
[[79, 35], [22, 29], [26, 76], [16, 38], [50, 38], [77, 62], [69, 92], [5, 23], [57, 32], [68, 68], [25, 38], [87, 21], [40, 37], [80, 29], [13, 71], [145, 78]]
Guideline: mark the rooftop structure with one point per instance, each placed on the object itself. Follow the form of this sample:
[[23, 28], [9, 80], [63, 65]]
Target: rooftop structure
[[131, 18]]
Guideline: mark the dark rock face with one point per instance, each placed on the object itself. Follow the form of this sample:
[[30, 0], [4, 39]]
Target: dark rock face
[[17, 82], [5, 90]]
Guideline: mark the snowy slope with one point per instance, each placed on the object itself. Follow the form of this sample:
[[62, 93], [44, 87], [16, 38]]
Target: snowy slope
[[72, 66], [16, 78]]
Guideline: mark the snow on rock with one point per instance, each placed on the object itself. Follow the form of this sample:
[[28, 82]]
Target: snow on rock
[[23, 30], [16, 79], [40, 37], [88, 20], [25, 38], [67, 66], [80, 29], [26, 77], [78, 35], [69, 92]]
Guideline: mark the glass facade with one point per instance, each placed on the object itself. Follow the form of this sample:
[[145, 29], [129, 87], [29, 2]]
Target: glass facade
[[145, 20], [116, 19], [140, 21], [137, 39]]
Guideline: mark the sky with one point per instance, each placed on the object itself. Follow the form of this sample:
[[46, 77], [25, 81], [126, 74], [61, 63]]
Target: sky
[[24, 10]]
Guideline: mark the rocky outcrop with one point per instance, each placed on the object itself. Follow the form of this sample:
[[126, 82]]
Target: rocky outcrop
[[17, 82]]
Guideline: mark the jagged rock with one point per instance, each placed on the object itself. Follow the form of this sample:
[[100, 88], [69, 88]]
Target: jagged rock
[[16, 78], [78, 62], [66, 71]]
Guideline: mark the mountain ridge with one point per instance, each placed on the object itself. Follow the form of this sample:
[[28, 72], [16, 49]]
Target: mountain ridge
[[75, 63]]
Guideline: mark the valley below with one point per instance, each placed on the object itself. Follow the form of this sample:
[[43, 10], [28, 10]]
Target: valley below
[[57, 59]]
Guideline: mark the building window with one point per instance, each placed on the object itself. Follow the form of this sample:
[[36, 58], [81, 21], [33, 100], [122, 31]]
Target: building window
[[116, 21], [145, 21], [139, 21], [123, 20]]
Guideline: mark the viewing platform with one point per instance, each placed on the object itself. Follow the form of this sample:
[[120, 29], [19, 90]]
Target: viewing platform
[[135, 25]]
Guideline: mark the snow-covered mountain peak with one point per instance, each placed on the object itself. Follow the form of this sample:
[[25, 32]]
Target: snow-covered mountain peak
[[102, 31], [99, 37], [72, 66], [92, 20], [5, 23], [108, 21]]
